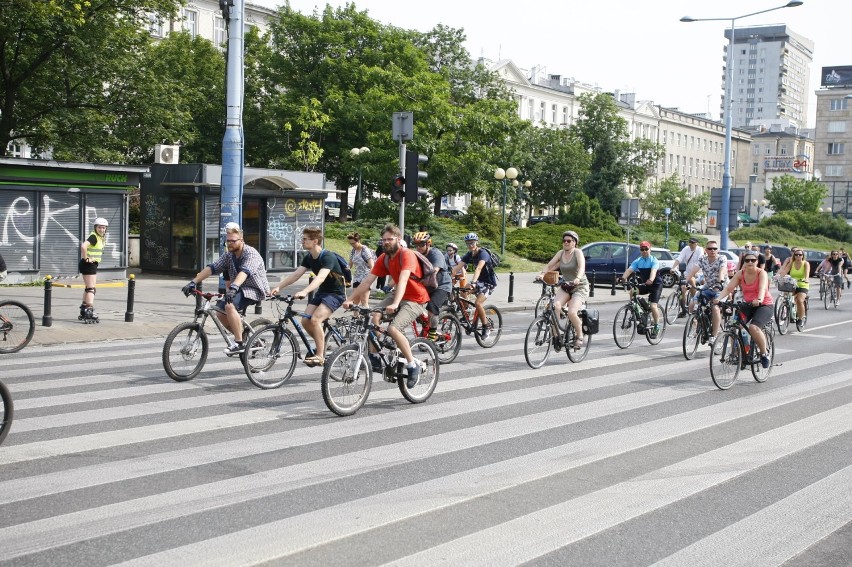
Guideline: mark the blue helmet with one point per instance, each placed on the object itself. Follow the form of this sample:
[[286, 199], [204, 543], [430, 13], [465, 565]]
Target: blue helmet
[[471, 236]]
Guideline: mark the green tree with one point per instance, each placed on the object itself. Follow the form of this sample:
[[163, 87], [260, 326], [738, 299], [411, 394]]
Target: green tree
[[791, 194], [671, 193]]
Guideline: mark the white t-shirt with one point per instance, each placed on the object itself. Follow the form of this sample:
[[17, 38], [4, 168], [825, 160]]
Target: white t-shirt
[[690, 257]]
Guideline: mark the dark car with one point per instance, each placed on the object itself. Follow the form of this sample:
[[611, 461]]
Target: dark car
[[543, 218], [815, 258], [608, 260], [451, 213]]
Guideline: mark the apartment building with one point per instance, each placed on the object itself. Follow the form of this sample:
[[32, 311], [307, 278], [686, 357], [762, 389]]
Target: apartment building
[[833, 148]]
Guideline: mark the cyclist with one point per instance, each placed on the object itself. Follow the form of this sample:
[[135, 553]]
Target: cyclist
[[408, 300], [574, 292], [91, 251], [647, 267], [453, 258], [689, 256], [484, 279], [361, 261], [797, 268], [847, 266], [754, 283], [422, 242], [771, 263], [330, 291], [833, 266], [715, 270], [247, 285]]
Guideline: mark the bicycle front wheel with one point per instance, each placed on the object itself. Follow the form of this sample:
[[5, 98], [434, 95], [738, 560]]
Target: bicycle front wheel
[[448, 343], [185, 352], [672, 308], [425, 355], [346, 380], [691, 336], [782, 314], [494, 321], [538, 342], [6, 412], [652, 338], [17, 326], [624, 326], [541, 305], [576, 354], [760, 373], [270, 358], [725, 360]]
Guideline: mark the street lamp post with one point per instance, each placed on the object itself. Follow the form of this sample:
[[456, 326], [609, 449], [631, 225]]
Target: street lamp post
[[760, 205], [356, 154], [725, 211], [668, 214], [520, 196], [503, 175]]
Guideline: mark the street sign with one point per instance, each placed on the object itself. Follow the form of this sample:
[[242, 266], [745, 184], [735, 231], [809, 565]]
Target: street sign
[[403, 126]]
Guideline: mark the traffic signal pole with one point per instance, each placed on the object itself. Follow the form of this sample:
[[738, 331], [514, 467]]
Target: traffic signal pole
[[402, 203]]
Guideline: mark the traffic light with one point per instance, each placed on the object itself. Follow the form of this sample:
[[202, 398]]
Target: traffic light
[[413, 161], [398, 188]]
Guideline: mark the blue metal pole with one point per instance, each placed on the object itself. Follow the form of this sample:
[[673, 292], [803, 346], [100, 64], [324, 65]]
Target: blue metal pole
[[726, 168], [233, 148]]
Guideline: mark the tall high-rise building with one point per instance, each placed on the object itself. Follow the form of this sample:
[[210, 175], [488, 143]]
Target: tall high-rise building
[[771, 67]]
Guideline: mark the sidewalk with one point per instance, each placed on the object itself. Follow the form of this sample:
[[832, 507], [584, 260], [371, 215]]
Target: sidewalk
[[159, 305]]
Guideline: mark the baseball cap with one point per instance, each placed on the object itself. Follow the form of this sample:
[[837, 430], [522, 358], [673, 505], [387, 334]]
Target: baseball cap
[[693, 239], [644, 244]]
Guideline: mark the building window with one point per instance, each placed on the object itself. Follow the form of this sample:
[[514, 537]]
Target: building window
[[565, 116], [837, 126], [839, 104], [531, 106], [219, 35], [834, 171], [553, 114], [755, 149], [155, 25], [835, 148], [542, 113], [754, 167], [190, 22]]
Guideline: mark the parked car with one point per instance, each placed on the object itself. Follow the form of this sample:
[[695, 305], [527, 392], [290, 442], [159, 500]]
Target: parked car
[[815, 258], [780, 251], [451, 213], [667, 261], [544, 218], [332, 210], [608, 260]]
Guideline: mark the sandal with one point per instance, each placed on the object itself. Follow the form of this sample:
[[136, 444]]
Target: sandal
[[579, 342], [314, 361]]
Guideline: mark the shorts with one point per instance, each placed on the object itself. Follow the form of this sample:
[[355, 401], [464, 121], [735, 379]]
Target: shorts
[[241, 302], [653, 291], [482, 288], [760, 315], [406, 314], [437, 300], [331, 300], [87, 268], [801, 290], [838, 280]]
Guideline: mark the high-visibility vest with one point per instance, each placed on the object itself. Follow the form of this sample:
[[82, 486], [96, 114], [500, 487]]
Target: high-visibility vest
[[96, 252]]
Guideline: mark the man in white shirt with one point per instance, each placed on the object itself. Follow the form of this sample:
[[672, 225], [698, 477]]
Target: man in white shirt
[[690, 255]]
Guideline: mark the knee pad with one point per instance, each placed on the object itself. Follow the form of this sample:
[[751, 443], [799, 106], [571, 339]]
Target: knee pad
[[91, 290]]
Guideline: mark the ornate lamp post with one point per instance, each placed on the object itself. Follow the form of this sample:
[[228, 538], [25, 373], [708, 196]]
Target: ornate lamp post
[[502, 175], [760, 205], [521, 195], [356, 154]]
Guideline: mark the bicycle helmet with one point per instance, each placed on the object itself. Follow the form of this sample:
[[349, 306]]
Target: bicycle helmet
[[471, 236], [100, 221], [573, 235], [421, 237], [453, 246]]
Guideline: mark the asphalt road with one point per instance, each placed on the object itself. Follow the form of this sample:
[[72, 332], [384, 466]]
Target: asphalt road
[[631, 457]]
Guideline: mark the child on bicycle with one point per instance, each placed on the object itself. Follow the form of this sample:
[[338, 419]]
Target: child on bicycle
[[422, 242]]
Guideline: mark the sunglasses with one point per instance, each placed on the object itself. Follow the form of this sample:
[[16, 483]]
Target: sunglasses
[[798, 254], [564, 240], [644, 249], [418, 244], [711, 249], [751, 261]]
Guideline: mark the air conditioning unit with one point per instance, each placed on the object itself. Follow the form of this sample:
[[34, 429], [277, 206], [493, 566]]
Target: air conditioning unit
[[167, 154]]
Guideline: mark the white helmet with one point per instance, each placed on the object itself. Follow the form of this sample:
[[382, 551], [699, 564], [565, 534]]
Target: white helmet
[[101, 221]]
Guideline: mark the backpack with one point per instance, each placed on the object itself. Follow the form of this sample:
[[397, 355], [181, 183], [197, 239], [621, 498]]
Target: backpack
[[495, 258], [344, 267], [430, 274]]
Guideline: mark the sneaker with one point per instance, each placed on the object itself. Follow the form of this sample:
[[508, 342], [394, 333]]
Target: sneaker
[[486, 332], [236, 348], [682, 314], [711, 341], [764, 361], [655, 331], [413, 375], [376, 362]]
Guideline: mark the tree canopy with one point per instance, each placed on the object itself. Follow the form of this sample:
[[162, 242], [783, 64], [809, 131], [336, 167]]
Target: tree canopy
[[791, 194]]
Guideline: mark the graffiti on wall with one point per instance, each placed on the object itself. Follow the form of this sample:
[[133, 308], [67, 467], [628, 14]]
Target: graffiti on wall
[[288, 218], [156, 233]]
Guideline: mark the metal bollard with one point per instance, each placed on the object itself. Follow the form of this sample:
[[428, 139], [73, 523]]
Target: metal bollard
[[614, 277], [131, 290], [592, 286], [511, 287], [198, 299], [47, 319]]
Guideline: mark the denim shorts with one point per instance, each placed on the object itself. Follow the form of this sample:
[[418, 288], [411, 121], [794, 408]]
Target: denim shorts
[[241, 302], [331, 300]]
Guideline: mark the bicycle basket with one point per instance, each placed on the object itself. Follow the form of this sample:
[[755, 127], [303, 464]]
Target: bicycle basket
[[551, 278], [591, 321], [786, 284]]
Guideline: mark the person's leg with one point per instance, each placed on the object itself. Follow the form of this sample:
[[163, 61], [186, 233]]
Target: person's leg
[[313, 325], [89, 281], [560, 298], [574, 306]]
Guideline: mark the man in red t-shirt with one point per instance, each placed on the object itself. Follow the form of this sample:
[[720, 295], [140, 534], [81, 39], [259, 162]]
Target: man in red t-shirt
[[408, 299]]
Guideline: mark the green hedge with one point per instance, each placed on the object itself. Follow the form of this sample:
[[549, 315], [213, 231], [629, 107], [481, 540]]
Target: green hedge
[[540, 242]]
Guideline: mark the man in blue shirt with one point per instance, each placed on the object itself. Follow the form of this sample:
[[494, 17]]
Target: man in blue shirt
[[647, 268]]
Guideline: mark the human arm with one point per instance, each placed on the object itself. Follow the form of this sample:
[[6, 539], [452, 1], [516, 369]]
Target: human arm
[[550, 266], [288, 280], [732, 285], [84, 247], [581, 266]]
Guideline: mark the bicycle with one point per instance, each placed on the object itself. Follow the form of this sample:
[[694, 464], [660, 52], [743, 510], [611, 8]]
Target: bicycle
[[17, 326], [785, 306], [8, 412], [347, 377], [673, 304], [545, 332], [698, 327], [634, 317], [448, 340], [547, 292], [273, 348], [829, 296], [465, 311], [735, 349], [186, 360]]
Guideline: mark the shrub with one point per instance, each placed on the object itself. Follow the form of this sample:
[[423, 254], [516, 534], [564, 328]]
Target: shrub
[[540, 242], [485, 222]]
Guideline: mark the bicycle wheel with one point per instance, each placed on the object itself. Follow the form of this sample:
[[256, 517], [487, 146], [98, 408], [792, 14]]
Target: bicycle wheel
[[624, 326], [802, 321], [271, 353], [760, 373], [782, 314], [495, 323], [576, 355], [17, 326], [448, 343], [725, 360], [346, 380], [185, 352], [541, 305], [425, 355], [827, 297], [672, 308], [6, 412], [538, 341], [656, 339], [337, 334], [691, 335]]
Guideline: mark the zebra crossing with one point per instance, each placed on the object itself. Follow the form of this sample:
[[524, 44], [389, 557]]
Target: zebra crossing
[[631, 457]]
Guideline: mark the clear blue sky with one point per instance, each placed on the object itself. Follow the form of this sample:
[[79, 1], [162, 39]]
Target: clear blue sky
[[639, 47]]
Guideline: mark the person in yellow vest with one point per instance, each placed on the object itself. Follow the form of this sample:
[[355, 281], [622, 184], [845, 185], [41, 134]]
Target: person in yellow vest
[[91, 251]]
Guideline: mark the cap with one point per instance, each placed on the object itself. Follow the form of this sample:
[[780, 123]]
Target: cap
[[644, 244], [693, 239]]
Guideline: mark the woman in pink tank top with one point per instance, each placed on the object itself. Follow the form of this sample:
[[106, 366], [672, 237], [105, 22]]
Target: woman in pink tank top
[[754, 283]]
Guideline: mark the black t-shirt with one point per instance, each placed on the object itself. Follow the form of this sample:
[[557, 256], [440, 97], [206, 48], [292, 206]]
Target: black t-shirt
[[333, 283]]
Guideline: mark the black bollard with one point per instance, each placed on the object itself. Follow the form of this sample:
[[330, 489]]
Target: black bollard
[[511, 287], [614, 277], [198, 299], [592, 286], [47, 319], [131, 291]]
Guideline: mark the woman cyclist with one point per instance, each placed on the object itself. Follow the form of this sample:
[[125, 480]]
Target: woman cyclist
[[754, 283], [797, 268], [572, 264]]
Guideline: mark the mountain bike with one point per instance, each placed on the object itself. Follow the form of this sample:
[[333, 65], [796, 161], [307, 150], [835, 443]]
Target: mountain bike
[[635, 317], [735, 349], [465, 311], [545, 332], [347, 376], [187, 346], [17, 326], [7, 411], [698, 327], [448, 334], [273, 349], [785, 306]]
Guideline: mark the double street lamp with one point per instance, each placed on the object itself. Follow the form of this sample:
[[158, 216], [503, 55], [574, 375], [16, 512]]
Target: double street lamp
[[356, 154], [521, 196], [724, 221], [760, 205], [503, 175]]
